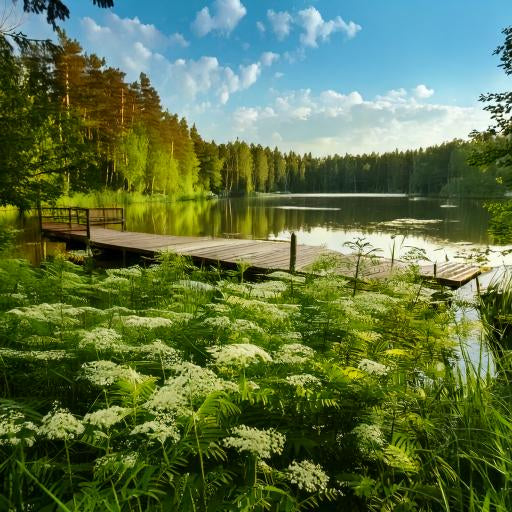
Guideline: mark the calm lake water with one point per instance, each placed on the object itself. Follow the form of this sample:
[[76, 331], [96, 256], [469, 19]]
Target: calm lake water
[[444, 229]]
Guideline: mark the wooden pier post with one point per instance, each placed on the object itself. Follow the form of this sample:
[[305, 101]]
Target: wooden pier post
[[293, 252]]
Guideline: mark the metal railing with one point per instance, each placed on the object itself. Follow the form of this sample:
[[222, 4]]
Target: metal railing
[[68, 219]]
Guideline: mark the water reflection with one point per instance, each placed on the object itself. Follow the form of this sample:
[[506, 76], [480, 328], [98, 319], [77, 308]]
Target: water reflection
[[319, 219]]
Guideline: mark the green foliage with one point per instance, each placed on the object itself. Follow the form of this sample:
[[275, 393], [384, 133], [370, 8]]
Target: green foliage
[[180, 389]]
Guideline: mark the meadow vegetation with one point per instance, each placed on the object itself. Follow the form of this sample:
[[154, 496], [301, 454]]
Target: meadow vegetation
[[169, 387]]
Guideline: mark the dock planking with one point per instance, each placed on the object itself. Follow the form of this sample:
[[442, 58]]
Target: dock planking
[[260, 255]]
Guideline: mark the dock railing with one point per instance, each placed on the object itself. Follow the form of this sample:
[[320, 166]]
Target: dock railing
[[76, 219]]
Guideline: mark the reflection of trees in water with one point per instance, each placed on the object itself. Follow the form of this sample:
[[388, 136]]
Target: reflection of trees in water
[[260, 218]]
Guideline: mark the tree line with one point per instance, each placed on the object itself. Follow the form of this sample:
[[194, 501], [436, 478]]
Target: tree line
[[69, 122]]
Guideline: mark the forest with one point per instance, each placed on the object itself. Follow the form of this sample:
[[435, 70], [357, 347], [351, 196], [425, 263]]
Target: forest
[[71, 123]]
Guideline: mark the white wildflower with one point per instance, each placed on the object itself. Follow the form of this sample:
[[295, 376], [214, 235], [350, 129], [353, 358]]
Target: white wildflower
[[369, 439], [14, 430], [100, 338], [57, 314], [268, 289], [159, 351], [160, 429], [307, 476], [105, 373], [242, 325], [106, 418], [192, 382], [38, 355], [273, 313], [196, 286], [116, 461], [134, 271], [60, 424], [215, 307], [373, 368], [146, 322], [293, 353], [239, 354], [218, 322], [262, 443], [303, 380], [112, 284]]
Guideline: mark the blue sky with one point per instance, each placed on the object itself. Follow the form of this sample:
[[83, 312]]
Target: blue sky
[[321, 75]]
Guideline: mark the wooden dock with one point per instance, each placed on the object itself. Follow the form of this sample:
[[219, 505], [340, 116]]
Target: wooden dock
[[92, 227]]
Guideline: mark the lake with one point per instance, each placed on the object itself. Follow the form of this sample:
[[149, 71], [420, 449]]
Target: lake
[[444, 229]]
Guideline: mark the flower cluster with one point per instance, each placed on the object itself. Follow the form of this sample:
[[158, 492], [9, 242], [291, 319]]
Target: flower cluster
[[262, 443], [14, 430], [106, 418], [105, 373], [307, 476], [293, 353], [369, 439], [100, 339], [146, 322], [373, 368], [61, 425], [239, 354], [303, 380], [160, 429], [191, 383]]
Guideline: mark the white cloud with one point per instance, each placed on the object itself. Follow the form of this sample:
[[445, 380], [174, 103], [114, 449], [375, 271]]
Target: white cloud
[[183, 84], [316, 28], [260, 26], [280, 23], [333, 122], [268, 58], [179, 40], [226, 16], [422, 91]]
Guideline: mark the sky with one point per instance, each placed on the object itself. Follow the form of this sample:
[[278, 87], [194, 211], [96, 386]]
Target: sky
[[319, 76]]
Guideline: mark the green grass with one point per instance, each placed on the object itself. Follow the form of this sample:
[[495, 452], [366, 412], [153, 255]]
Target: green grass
[[177, 388]]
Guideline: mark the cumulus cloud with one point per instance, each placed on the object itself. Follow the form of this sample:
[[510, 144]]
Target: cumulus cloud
[[268, 58], [316, 28], [422, 91], [335, 122], [223, 17], [280, 23], [179, 40], [183, 83]]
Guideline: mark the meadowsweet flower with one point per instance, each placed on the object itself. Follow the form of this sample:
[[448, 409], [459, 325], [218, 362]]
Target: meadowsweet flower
[[196, 286], [370, 439], [262, 443], [307, 476], [106, 418], [239, 354], [36, 355], [113, 285], [60, 424], [114, 462], [272, 312], [14, 430], [191, 383], [243, 325], [100, 338], [47, 313], [293, 353], [159, 351], [134, 271], [218, 322], [373, 368], [160, 429], [105, 373], [303, 380], [268, 289], [146, 322]]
